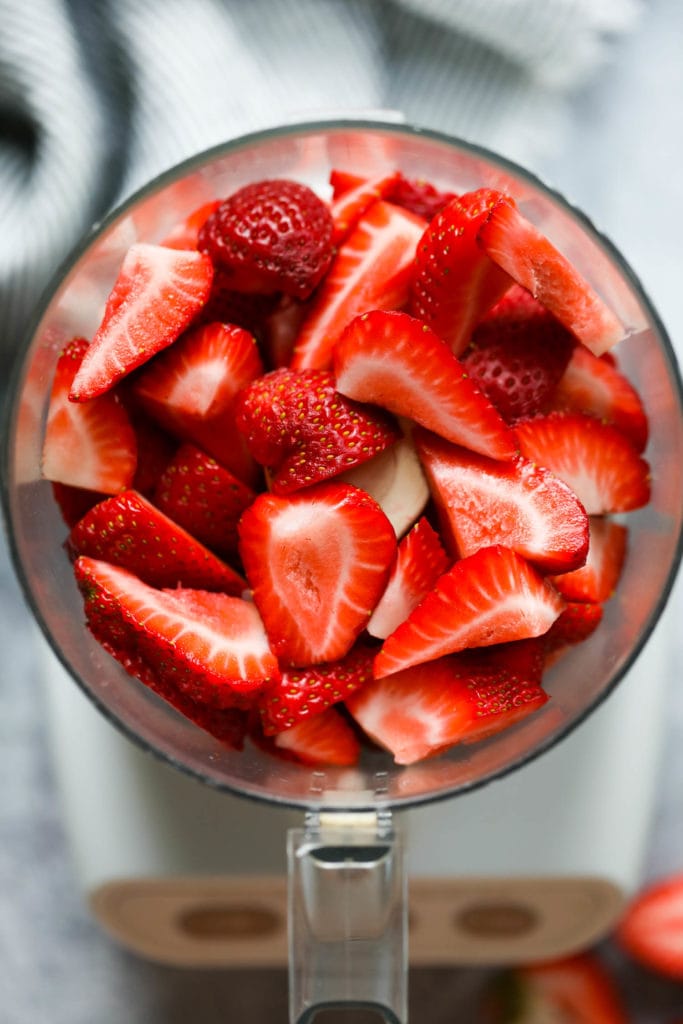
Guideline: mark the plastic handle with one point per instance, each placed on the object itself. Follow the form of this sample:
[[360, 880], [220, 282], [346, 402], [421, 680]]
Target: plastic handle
[[347, 917]]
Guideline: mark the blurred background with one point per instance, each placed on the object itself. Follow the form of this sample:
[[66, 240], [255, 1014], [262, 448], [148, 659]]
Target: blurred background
[[95, 98]]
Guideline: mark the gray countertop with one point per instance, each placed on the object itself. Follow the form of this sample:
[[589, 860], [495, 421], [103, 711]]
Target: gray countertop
[[623, 165]]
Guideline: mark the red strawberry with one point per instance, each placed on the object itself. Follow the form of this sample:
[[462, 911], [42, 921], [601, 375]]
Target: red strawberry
[[598, 578], [225, 305], [281, 329], [155, 297], [454, 281], [576, 990], [594, 385], [271, 236], [302, 693], [516, 304], [595, 459], [324, 739], [191, 390], [344, 181], [517, 504], [426, 709], [186, 234], [91, 446], [204, 498], [317, 562], [419, 562], [574, 625], [491, 597], [523, 252], [298, 425], [74, 502], [397, 362], [129, 531], [372, 270], [518, 363], [651, 930], [349, 207], [210, 647], [155, 451], [419, 196]]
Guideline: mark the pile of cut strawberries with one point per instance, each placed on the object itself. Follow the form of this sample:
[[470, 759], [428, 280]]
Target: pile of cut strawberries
[[346, 473]]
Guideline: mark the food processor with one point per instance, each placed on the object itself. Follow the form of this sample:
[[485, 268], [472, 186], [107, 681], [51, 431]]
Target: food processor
[[346, 904]]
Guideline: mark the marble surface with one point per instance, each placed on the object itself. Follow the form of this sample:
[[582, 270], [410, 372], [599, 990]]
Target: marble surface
[[622, 164]]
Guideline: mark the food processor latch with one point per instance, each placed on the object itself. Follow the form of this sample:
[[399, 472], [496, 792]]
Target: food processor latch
[[347, 916]]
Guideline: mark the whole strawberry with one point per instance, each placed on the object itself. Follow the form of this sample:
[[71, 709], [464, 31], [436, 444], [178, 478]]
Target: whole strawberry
[[298, 425], [270, 236]]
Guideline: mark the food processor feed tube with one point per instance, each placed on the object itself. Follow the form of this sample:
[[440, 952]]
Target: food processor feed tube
[[347, 901]]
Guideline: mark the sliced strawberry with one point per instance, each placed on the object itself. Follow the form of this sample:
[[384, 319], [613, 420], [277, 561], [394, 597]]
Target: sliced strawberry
[[454, 281], [516, 304], [651, 930], [271, 236], [91, 446], [317, 562], [191, 390], [595, 459], [425, 710], [281, 329], [594, 385], [298, 425], [301, 693], [491, 597], [204, 498], [127, 530], [372, 270], [155, 450], [419, 562], [597, 579], [344, 181], [349, 207], [186, 234], [576, 623], [518, 363], [517, 504], [419, 196], [225, 305], [74, 502], [576, 990], [155, 297], [210, 647], [324, 739], [523, 252], [395, 361]]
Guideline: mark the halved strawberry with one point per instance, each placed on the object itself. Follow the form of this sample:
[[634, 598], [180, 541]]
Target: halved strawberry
[[395, 361], [191, 390], [523, 252], [516, 304], [349, 206], [651, 930], [576, 623], [419, 196], [425, 710], [420, 560], [324, 739], [74, 502], [372, 270], [575, 990], [210, 647], [225, 305], [518, 363], [185, 235], [518, 504], [127, 530], [598, 578], [281, 329], [301, 693], [297, 424], [155, 450], [155, 297], [93, 446], [455, 282], [595, 459], [491, 597], [594, 385], [317, 562], [203, 497], [271, 236]]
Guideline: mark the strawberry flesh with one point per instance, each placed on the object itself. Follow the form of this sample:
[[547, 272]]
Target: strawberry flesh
[[317, 562], [349, 206], [156, 296], [597, 580], [324, 739], [298, 425], [651, 928], [127, 530], [271, 236], [395, 361]]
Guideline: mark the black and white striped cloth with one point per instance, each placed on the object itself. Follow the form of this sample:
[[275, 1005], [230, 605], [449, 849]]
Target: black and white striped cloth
[[97, 96]]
